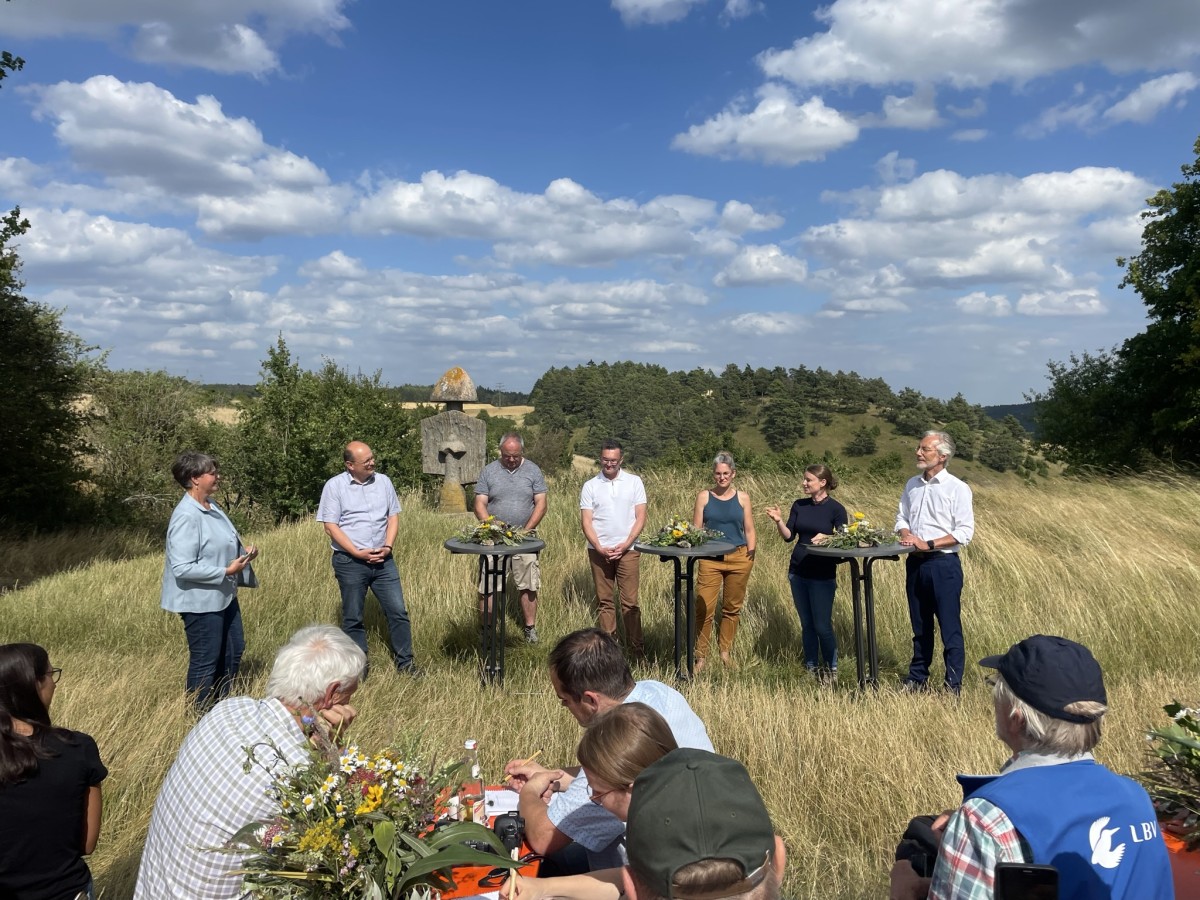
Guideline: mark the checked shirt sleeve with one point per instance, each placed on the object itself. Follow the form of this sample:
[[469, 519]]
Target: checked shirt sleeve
[[978, 836]]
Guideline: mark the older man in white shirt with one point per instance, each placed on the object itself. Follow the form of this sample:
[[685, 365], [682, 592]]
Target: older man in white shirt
[[937, 520]]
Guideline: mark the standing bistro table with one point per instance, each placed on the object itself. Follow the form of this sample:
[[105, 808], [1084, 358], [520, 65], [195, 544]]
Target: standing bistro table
[[495, 569], [862, 589], [685, 585]]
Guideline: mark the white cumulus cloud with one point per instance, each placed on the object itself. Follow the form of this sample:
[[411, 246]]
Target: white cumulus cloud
[[777, 130], [765, 264]]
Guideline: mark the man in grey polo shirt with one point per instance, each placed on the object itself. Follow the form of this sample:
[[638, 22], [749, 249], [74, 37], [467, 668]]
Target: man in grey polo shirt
[[360, 512], [513, 490]]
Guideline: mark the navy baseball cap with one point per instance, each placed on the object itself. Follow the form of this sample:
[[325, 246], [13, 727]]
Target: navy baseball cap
[[1050, 673]]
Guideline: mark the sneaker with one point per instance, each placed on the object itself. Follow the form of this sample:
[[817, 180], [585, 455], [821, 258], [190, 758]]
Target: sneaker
[[908, 686], [828, 678], [411, 671], [531, 634]]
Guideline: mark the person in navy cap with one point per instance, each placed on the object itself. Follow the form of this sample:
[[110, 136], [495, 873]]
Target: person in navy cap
[[1052, 803]]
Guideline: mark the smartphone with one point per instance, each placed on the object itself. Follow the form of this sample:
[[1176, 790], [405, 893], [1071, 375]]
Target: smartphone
[[1022, 881]]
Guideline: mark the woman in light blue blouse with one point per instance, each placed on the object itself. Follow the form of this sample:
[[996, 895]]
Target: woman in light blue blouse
[[205, 564]]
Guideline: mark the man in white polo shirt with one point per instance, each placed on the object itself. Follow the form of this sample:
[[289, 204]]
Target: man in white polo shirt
[[612, 512]]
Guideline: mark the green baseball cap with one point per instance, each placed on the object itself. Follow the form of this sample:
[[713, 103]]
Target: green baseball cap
[[693, 805]]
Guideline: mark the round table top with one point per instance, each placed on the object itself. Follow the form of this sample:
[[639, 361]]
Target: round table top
[[709, 548], [529, 545], [859, 552]]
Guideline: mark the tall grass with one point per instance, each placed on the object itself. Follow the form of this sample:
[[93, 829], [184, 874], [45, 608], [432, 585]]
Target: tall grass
[[1111, 564]]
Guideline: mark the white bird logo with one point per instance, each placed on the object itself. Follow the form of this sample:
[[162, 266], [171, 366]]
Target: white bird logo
[[1104, 854]]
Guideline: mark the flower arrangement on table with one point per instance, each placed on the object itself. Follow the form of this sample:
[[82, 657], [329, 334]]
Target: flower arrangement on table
[[492, 531], [860, 533], [679, 532], [368, 826], [1173, 780]]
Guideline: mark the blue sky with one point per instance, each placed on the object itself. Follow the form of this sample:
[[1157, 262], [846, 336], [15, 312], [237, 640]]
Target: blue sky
[[928, 191]]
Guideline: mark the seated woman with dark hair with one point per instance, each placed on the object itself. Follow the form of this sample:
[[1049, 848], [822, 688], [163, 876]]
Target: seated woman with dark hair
[[49, 786], [616, 747]]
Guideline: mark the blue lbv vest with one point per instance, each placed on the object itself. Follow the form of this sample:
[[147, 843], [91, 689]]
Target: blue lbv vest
[[1097, 828]]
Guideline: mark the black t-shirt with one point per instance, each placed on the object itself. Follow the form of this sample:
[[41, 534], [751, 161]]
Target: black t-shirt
[[806, 520], [42, 823]]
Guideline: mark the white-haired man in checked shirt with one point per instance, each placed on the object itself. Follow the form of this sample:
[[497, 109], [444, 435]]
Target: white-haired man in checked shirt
[[208, 795]]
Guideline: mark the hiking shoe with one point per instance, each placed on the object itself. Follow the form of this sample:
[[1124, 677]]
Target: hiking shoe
[[908, 686], [531, 634]]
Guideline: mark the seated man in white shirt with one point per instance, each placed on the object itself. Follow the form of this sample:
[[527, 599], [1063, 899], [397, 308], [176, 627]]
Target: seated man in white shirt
[[590, 675]]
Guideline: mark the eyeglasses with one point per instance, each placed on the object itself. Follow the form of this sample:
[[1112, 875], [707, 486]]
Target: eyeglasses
[[55, 674], [596, 796]]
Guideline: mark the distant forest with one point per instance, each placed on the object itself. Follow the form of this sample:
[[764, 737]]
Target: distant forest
[[767, 416]]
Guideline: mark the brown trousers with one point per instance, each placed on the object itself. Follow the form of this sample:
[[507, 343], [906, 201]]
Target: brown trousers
[[734, 572], [623, 575]]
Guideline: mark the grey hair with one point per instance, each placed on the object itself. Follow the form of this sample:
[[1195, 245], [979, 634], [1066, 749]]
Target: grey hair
[[190, 465], [316, 657], [945, 443], [726, 458], [512, 436], [1047, 734]]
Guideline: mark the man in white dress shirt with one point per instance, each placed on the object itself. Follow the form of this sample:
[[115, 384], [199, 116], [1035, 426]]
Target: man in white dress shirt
[[937, 520]]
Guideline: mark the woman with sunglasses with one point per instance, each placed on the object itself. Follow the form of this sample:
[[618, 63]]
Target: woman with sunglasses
[[49, 786], [616, 746]]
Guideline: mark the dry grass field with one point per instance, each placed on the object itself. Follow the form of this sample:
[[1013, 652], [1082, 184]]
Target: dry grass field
[[842, 771]]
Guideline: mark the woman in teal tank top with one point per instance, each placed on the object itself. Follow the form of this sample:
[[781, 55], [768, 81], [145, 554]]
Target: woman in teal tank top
[[726, 510]]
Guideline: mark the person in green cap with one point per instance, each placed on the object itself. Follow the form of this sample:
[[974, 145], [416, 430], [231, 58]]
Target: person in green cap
[[698, 830]]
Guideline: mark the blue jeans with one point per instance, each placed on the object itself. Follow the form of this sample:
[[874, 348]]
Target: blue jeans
[[354, 577], [215, 646], [814, 605], [934, 586]]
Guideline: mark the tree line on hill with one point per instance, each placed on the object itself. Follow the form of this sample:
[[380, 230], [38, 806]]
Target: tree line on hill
[[83, 444]]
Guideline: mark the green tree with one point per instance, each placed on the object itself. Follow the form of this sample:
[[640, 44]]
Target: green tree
[[290, 439], [45, 373], [965, 440], [784, 423], [1143, 399], [1001, 451], [143, 420], [863, 442]]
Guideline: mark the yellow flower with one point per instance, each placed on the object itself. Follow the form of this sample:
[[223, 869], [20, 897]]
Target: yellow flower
[[860, 516], [373, 796], [318, 837]]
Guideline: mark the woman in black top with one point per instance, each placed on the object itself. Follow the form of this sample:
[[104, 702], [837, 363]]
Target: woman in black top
[[814, 578], [49, 786]]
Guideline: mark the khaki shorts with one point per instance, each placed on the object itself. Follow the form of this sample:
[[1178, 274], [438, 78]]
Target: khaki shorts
[[524, 569]]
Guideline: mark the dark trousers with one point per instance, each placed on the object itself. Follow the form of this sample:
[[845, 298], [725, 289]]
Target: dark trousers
[[354, 577], [934, 587], [215, 646]]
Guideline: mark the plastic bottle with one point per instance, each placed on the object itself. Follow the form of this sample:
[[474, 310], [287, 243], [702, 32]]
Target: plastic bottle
[[473, 798]]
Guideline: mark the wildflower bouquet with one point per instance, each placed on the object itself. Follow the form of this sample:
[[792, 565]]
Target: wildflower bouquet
[[860, 533], [679, 532], [1173, 781], [359, 825], [492, 531]]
